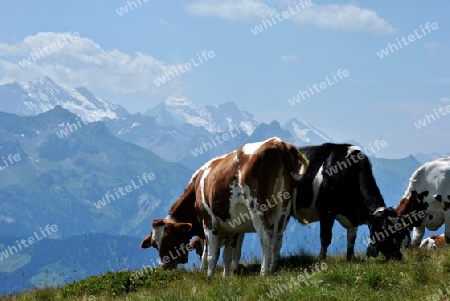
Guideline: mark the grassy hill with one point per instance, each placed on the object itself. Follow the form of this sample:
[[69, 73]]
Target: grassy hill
[[422, 275]]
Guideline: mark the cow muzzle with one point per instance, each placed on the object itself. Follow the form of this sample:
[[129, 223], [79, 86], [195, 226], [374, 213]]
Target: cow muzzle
[[372, 251]]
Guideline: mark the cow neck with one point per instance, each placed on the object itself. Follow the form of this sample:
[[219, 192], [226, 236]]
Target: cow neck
[[183, 210], [369, 189]]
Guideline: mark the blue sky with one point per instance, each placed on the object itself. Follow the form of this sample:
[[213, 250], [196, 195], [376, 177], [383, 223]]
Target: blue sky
[[119, 57]]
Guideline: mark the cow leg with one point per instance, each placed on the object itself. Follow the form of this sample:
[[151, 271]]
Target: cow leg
[[265, 237], [266, 243], [326, 226], [351, 238], [447, 227], [278, 241], [204, 264], [237, 250], [227, 256], [213, 251], [418, 233]]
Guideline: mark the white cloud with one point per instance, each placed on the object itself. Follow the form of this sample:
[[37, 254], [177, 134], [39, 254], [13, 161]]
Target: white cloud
[[234, 10], [82, 62], [444, 99], [347, 17], [166, 23], [430, 46], [289, 58]]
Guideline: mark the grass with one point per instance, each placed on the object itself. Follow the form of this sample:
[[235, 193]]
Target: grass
[[419, 276]]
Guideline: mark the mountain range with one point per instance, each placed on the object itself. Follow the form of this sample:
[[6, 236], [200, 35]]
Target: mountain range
[[89, 166], [176, 129]]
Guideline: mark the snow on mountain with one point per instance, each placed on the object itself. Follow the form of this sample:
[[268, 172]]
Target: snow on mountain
[[35, 97], [304, 133], [214, 118]]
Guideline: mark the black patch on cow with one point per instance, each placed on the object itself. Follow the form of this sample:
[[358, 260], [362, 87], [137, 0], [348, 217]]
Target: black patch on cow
[[252, 204], [438, 198], [447, 204], [422, 195]]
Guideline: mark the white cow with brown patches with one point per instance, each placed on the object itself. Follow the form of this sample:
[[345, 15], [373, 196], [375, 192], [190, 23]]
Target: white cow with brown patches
[[433, 242], [428, 195], [240, 186]]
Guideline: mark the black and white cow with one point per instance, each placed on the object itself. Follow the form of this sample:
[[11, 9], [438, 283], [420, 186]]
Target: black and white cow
[[339, 185], [428, 197]]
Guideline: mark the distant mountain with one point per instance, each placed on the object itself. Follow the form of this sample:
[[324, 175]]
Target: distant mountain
[[392, 176], [35, 97], [67, 168], [214, 118], [423, 158], [304, 133], [176, 129]]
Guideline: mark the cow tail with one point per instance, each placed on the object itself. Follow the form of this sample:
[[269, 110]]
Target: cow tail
[[300, 163]]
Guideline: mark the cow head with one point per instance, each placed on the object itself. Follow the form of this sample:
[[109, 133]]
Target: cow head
[[388, 234], [171, 239]]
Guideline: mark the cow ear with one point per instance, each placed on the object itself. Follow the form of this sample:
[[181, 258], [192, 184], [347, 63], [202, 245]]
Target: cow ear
[[147, 242], [197, 245], [158, 223], [402, 206], [183, 227]]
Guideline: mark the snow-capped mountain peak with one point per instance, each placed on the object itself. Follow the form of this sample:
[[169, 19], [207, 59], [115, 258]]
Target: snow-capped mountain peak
[[214, 118], [35, 97], [305, 133]]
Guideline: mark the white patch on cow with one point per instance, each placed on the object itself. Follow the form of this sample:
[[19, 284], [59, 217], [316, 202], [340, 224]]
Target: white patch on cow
[[251, 148], [204, 201], [351, 149], [236, 159], [437, 219], [311, 214], [427, 244], [241, 215], [205, 166], [157, 234]]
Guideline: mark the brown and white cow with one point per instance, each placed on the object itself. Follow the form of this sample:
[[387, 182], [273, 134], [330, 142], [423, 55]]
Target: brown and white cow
[[248, 190], [433, 242], [428, 198]]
